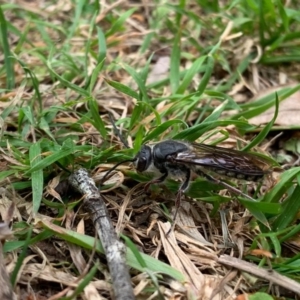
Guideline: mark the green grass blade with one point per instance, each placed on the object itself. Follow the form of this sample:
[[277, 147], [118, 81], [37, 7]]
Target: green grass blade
[[79, 4], [5, 174], [283, 15], [207, 75], [139, 82], [175, 63], [156, 133], [123, 89], [97, 121], [101, 45], [21, 258], [285, 182], [189, 75], [87, 279], [191, 134], [67, 83], [136, 114], [35, 82], [117, 25], [37, 177], [66, 150], [8, 58], [260, 296], [263, 133], [255, 211], [94, 76], [88, 242], [291, 207], [291, 232], [135, 251]]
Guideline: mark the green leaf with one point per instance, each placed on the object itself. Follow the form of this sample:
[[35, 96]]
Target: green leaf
[[145, 70], [264, 207], [285, 182], [136, 114], [155, 133], [260, 296], [207, 75], [37, 177], [34, 80], [139, 81], [175, 63], [90, 243], [5, 174], [276, 244], [215, 115], [283, 15], [78, 7], [66, 150], [21, 257], [96, 119], [135, 251], [116, 26], [67, 83], [95, 75], [290, 209], [191, 134], [8, 57], [255, 210], [87, 279], [27, 111], [123, 89], [263, 133], [101, 45], [43, 125], [189, 75], [255, 108]]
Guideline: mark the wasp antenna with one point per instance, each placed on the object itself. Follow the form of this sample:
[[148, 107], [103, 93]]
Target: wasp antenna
[[115, 166], [117, 131]]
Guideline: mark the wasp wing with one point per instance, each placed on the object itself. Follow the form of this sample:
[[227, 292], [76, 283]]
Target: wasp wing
[[217, 159]]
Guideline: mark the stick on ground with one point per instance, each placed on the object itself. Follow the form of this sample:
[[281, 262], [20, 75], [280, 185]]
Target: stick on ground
[[115, 250], [6, 290], [269, 275]]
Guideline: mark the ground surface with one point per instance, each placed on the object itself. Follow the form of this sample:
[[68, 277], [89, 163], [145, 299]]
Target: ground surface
[[203, 71]]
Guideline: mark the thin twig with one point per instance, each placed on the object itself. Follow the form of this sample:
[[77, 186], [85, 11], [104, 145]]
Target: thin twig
[[6, 290], [114, 249], [269, 275]]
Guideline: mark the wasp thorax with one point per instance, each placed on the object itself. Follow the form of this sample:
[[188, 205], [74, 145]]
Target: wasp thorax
[[143, 159]]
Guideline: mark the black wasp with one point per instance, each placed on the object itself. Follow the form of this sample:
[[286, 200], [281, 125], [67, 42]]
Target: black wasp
[[178, 159]]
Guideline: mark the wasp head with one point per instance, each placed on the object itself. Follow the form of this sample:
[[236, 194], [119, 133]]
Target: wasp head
[[143, 159]]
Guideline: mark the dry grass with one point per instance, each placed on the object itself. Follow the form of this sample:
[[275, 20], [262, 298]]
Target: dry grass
[[162, 71]]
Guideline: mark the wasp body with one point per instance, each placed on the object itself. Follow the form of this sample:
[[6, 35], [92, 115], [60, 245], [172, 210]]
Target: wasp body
[[178, 159]]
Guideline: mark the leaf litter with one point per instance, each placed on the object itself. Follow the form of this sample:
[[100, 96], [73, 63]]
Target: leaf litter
[[193, 248]]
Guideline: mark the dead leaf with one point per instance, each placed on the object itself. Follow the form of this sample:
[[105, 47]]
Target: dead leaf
[[289, 110], [160, 70], [187, 224], [242, 297], [197, 284], [261, 252], [5, 231], [6, 290]]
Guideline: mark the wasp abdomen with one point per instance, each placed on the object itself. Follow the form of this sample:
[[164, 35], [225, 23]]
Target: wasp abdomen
[[231, 174]]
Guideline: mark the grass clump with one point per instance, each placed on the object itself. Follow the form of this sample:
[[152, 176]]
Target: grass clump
[[192, 71]]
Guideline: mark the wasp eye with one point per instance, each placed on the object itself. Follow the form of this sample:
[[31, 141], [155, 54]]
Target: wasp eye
[[141, 164], [143, 159]]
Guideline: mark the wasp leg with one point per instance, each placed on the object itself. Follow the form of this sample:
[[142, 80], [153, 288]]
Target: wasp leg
[[180, 192], [157, 180], [226, 185]]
